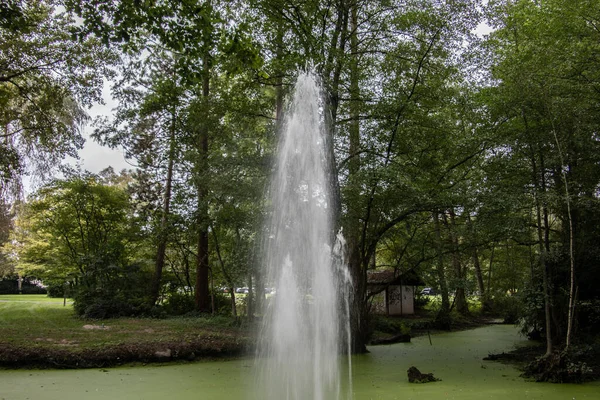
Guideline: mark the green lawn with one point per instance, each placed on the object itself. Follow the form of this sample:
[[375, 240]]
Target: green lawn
[[31, 298], [39, 323]]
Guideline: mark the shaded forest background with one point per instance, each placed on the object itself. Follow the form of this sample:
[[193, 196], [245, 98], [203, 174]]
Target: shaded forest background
[[473, 161]]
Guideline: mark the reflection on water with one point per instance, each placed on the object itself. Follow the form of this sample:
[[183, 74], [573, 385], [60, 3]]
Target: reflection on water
[[456, 358]]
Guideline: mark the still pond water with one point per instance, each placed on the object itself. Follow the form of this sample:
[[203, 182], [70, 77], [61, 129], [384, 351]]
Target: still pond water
[[455, 357]]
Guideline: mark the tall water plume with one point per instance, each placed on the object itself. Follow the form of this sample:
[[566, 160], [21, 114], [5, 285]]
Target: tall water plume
[[306, 322]]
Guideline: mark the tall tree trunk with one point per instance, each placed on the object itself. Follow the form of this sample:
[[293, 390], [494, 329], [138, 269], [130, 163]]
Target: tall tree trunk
[[202, 299], [279, 93], [543, 242], [489, 277], [225, 273], [444, 313], [250, 297], [332, 72], [460, 298], [476, 264], [571, 243], [358, 263], [164, 221]]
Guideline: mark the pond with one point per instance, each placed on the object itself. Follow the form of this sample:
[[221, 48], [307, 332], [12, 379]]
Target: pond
[[454, 357]]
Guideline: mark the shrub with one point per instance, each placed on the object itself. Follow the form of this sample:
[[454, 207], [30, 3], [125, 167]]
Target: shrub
[[223, 303], [124, 293], [56, 290], [531, 313], [588, 318], [179, 304], [11, 286], [421, 301], [28, 288], [509, 308], [389, 325], [100, 303]]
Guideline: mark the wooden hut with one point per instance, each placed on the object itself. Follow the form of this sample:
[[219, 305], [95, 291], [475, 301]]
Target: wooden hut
[[394, 294]]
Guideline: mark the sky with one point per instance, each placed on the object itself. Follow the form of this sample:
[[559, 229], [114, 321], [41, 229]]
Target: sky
[[94, 157]]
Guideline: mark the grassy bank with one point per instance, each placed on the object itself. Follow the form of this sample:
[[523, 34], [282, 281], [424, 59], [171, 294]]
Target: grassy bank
[[36, 330]]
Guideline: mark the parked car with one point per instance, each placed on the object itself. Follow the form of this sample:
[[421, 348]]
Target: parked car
[[428, 291], [243, 290]]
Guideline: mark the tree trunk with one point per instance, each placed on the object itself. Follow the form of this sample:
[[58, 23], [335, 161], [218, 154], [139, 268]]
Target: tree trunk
[[279, 94], [358, 264], [475, 258], [202, 300], [460, 298], [489, 277], [359, 306], [233, 305], [332, 72], [250, 297], [225, 274], [164, 221], [571, 243], [543, 241], [444, 313]]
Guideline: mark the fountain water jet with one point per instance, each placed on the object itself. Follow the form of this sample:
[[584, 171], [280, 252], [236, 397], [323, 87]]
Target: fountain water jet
[[306, 322]]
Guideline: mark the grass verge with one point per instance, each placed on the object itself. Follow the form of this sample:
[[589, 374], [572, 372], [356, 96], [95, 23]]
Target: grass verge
[[38, 331]]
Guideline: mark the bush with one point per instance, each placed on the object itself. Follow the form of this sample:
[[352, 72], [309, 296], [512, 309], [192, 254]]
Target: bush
[[28, 288], [421, 301], [11, 286], [123, 294], [223, 303], [388, 325], [100, 303], [56, 290], [531, 315], [183, 304], [179, 304], [509, 308], [588, 318]]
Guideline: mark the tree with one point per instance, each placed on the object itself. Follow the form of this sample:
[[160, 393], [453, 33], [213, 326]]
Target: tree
[[79, 230], [46, 78], [545, 63], [206, 44], [148, 125], [6, 226]]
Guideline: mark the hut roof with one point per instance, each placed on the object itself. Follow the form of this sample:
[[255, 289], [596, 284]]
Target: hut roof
[[390, 277]]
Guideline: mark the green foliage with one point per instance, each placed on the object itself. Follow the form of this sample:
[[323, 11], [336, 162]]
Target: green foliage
[[79, 231], [10, 285], [588, 319], [179, 304], [393, 326], [125, 294], [531, 315], [421, 301], [6, 225], [45, 79], [58, 289], [513, 310], [441, 167], [544, 66]]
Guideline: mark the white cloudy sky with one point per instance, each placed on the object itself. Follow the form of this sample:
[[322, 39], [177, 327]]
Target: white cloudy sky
[[94, 157]]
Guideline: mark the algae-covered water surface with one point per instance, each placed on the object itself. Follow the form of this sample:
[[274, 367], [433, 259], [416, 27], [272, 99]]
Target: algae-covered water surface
[[455, 357]]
